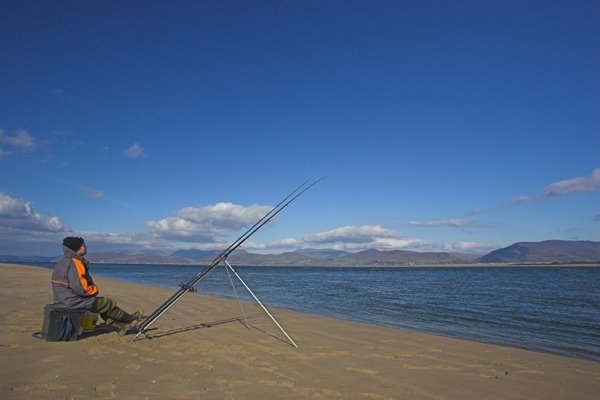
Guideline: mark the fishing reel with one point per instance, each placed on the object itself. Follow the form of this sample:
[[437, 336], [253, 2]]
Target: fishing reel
[[187, 287]]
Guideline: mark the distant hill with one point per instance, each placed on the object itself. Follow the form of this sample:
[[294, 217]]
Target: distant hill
[[549, 251], [467, 257], [195, 254], [400, 257], [281, 259], [334, 258], [326, 257], [321, 253]]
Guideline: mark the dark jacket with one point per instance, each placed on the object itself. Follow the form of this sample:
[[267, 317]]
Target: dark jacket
[[72, 285]]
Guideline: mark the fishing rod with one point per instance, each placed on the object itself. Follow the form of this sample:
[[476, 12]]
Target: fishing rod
[[189, 286]]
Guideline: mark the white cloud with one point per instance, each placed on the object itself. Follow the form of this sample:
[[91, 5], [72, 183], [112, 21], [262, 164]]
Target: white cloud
[[284, 243], [444, 223], [134, 151], [21, 140], [18, 214], [381, 244], [586, 183], [210, 223], [181, 229], [225, 215], [469, 247], [362, 237], [354, 234], [287, 244]]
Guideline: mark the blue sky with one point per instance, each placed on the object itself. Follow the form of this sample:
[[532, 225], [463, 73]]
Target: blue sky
[[447, 126]]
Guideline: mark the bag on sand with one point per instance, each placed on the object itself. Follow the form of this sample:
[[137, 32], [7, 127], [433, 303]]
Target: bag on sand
[[60, 324]]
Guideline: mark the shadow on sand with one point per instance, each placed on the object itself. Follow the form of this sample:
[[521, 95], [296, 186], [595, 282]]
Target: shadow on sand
[[244, 321]]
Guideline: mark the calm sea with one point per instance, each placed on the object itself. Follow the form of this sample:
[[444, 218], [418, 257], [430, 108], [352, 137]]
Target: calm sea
[[551, 309]]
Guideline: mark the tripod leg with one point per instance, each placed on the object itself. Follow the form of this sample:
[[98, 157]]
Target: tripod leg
[[237, 297], [258, 301]]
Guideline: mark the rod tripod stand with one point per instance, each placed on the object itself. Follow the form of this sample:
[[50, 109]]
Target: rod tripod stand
[[231, 271], [189, 286]]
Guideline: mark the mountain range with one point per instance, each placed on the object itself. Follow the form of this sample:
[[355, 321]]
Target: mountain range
[[546, 252]]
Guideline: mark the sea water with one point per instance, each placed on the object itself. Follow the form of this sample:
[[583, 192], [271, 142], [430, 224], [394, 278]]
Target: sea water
[[552, 309]]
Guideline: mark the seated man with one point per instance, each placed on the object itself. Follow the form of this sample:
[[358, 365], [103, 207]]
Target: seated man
[[74, 288]]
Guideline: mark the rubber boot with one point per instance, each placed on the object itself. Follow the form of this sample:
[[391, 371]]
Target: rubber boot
[[122, 327], [136, 316]]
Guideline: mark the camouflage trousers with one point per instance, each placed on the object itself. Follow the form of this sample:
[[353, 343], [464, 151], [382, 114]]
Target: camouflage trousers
[[108, 309]]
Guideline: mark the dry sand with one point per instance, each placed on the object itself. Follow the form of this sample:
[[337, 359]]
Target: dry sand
[[200, 349]]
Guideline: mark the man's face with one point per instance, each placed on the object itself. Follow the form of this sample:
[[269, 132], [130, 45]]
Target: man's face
[[82, 250]]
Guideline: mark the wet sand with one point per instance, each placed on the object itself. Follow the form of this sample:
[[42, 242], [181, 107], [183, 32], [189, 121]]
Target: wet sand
[[201, 348]]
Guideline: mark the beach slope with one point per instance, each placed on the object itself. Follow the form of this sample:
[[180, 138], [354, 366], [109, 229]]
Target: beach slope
[[201, 348]]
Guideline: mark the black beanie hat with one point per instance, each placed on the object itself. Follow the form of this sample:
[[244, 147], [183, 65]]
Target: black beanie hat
[[74, 243]]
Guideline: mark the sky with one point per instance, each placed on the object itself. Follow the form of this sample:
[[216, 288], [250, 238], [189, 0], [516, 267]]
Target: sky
[[153, 126]]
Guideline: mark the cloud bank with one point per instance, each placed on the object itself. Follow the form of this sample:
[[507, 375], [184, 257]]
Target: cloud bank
[[19, 214], [207, 224], [587, 183], [210, 227], [362, 237]]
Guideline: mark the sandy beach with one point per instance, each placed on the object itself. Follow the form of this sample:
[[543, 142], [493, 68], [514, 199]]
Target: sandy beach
[[201, 349]]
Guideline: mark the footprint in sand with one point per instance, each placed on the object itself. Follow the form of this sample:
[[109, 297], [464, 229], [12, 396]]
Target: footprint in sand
[[204, 364], [21, 388], [50, 387], [105, 390]]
